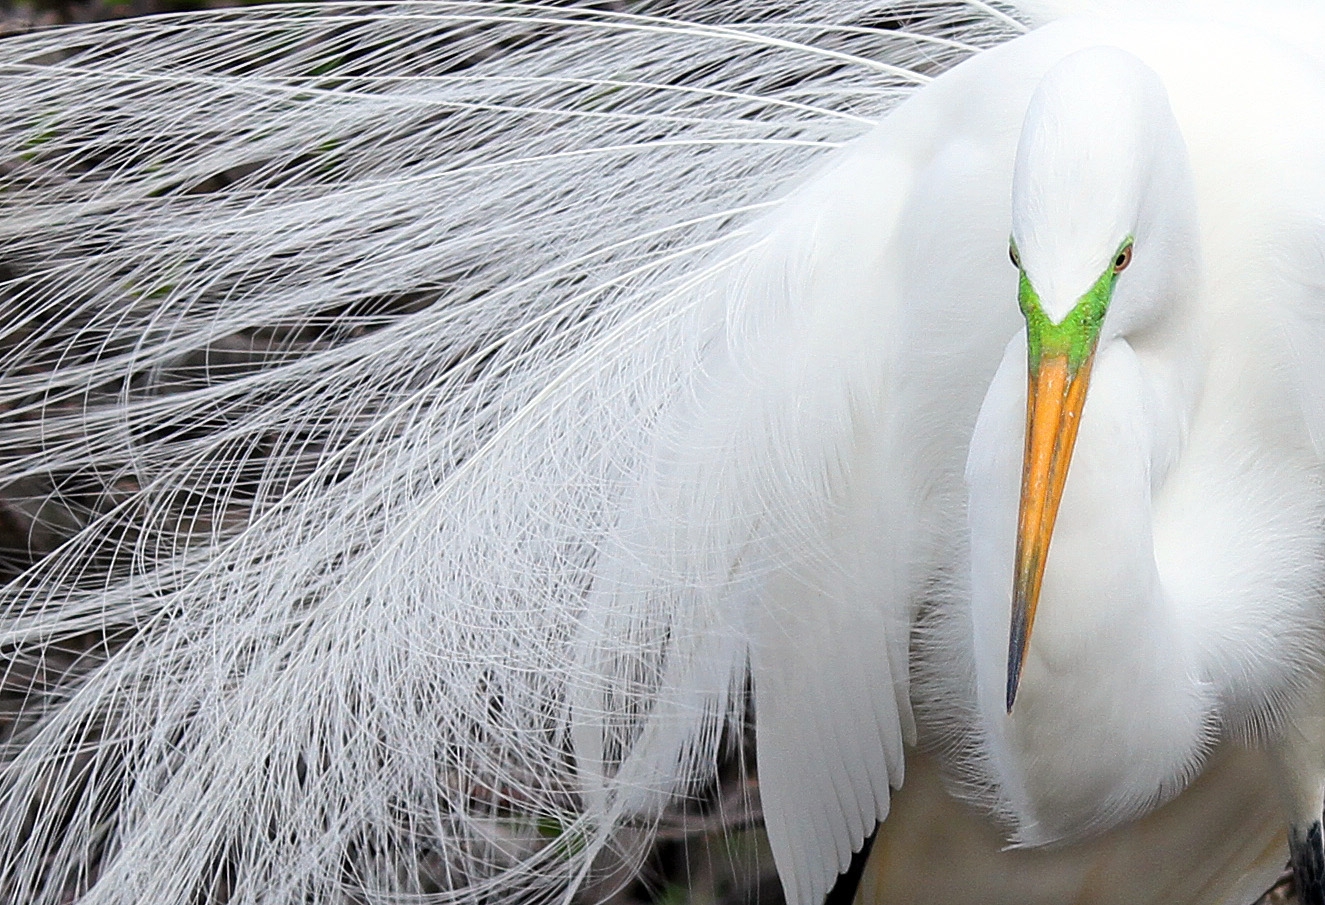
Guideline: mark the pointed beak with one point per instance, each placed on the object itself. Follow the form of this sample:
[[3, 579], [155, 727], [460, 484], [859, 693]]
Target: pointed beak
[[1054, 400]]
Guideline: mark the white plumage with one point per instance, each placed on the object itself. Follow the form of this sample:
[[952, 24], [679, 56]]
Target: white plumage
[[452, 402]]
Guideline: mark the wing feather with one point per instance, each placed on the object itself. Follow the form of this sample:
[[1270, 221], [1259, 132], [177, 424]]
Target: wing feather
[[776, 482]]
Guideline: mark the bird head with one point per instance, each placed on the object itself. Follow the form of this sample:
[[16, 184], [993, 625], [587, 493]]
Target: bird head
[[1102, 239]]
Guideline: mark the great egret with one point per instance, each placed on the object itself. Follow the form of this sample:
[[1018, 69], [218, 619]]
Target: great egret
[[447, 417]]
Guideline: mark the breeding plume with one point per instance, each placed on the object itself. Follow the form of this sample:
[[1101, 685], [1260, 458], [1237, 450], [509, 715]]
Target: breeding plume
[[436, 426]]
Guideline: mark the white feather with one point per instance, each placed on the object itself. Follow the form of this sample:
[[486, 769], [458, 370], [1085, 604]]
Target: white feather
[[343, 336], [452, 405]]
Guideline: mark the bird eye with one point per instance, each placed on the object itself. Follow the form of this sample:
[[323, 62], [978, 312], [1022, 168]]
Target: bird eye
[[1123, 259], [1016, 258]]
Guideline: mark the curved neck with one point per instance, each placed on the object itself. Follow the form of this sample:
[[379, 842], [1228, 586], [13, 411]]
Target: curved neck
[[1079, 751]]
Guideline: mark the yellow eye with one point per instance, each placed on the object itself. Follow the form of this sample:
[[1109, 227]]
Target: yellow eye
[[1123, 259]]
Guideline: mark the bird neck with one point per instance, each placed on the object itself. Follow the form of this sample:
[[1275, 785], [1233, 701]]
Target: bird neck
[[1110, 716]]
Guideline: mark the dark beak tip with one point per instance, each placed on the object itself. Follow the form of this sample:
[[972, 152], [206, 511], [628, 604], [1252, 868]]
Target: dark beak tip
[[1016, 656]]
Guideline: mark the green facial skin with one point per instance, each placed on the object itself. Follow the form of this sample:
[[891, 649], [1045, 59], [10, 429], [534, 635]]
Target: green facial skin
[[1075, 337]]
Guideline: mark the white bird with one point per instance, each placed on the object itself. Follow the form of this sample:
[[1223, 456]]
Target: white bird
[[454, 407]]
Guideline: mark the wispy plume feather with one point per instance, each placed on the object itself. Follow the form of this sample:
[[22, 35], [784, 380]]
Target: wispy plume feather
[[340, 345]]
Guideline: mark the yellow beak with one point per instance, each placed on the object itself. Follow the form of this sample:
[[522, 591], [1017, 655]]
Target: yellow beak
[[1055, 397]]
